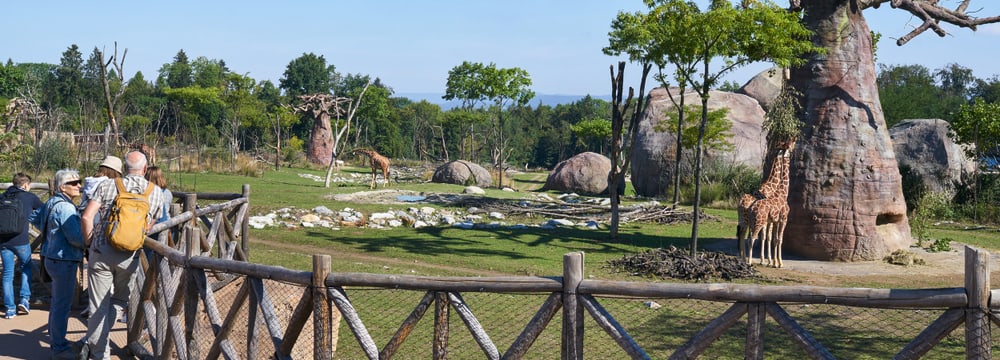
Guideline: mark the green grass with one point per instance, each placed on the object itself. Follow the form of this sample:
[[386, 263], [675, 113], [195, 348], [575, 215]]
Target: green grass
[[855, 333]]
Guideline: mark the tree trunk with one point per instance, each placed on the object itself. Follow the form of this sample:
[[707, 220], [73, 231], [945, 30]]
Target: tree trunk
[[845, 197], [321, 141]]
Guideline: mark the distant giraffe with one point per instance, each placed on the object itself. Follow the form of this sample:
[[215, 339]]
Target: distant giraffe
[[377, 161]]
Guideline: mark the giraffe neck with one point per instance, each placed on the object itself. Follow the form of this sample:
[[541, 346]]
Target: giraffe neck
[[772, 184], [781, 191]]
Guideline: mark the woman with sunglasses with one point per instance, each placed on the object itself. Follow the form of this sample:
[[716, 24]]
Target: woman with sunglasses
[[62, 251]]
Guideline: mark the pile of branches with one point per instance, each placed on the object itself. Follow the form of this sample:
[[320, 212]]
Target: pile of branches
[[677, 264]]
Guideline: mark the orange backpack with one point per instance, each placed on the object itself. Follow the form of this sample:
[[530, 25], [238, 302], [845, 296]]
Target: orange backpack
[[126, 230]]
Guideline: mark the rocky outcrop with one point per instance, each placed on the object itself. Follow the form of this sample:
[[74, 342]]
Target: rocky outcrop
[[924, 149], [585, 173], [653, 154], [461, 172], [764, 87]]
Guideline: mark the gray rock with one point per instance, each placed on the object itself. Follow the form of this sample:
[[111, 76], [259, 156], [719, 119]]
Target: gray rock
[[764, 87], [585, 173], [653, 154], [924, 149], [473, 190], [461, 172]]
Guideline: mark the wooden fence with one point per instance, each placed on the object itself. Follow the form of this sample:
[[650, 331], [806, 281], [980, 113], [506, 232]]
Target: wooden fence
[[177, 298]]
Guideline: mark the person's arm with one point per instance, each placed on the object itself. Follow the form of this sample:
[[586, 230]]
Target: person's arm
[[69, 224], [87, 220]]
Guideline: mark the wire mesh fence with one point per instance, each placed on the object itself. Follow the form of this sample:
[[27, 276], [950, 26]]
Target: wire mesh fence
[[659, 326]]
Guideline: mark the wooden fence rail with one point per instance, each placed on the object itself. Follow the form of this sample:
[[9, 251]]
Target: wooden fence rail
[[325, 301]]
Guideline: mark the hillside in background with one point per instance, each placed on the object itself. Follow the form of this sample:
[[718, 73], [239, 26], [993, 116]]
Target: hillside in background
[[545, 99]]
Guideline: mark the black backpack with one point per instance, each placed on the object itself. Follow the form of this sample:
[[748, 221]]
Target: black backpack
[[12, 219]]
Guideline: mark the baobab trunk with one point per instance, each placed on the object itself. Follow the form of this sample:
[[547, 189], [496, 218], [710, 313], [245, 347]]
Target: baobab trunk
[[321, 141], [845, 192]]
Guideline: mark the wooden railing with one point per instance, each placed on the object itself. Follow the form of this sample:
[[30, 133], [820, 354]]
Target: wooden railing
[[169, 313]]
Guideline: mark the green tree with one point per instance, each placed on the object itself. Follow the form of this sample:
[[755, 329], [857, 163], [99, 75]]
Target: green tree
[[977, 124], [11, 77], [210, 73], [593, 132], [908, 92], [474, 83], [308, 74], [69, 76], [178, 73]]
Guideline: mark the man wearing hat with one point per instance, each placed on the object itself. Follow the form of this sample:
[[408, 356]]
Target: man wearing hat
[[111, 168]]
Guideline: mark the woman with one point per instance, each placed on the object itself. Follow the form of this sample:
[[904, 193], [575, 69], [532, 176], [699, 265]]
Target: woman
[[155, 175], [63, 251]]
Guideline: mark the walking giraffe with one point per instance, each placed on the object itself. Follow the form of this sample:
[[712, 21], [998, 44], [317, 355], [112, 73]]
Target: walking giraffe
[[377, 161]]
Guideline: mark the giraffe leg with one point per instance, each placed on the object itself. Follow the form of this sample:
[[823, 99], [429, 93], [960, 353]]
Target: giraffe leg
[[779, 236]]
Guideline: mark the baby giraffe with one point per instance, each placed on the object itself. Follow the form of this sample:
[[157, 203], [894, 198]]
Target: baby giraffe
[[377, 161]]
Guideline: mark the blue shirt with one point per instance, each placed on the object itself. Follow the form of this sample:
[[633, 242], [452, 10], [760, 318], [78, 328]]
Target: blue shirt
[[63, 229]]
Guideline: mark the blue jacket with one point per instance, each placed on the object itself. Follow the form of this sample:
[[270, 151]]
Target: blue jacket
[[63, 229], [29, 202]]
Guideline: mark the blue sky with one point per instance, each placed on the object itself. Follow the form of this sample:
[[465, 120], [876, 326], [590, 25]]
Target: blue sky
[[409, 44]]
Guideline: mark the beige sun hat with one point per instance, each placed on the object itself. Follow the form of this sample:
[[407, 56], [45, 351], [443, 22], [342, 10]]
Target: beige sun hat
[[113, 163]]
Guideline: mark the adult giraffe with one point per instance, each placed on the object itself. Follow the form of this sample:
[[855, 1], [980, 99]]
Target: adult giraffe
[[846, 195], [377, 162]]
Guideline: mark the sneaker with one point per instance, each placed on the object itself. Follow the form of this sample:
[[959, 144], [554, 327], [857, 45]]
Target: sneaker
[[23, 308], [10, 314]]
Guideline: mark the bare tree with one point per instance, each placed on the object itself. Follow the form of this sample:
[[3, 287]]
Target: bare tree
[[111, 100], [621, 152]]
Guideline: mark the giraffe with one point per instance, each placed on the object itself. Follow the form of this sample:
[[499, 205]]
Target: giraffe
[[767, 189], [766, 218], [377, 162]]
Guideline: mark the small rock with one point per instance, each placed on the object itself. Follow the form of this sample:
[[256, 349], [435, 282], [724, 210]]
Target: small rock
[[474, 190]]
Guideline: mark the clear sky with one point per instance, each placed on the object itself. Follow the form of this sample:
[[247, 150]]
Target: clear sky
[[409, 44]]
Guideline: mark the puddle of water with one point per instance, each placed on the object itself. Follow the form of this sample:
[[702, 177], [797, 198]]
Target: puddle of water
[[410, 198]]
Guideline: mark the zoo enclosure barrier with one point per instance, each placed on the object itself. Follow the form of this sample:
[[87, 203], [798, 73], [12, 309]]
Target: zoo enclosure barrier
[[194, 305]]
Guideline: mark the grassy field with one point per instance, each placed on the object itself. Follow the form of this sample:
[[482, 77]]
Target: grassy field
[[446, 251]]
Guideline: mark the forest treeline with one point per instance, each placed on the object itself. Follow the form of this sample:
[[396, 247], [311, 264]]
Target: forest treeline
[[202, 102]]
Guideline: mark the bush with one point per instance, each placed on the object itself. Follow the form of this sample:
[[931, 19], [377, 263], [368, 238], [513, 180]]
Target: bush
[[54, 154], [929, 207]]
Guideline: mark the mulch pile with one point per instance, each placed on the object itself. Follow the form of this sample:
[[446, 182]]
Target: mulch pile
[[678, 264]]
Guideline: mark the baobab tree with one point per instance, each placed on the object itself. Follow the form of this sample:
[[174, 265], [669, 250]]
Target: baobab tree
[[846, 195]]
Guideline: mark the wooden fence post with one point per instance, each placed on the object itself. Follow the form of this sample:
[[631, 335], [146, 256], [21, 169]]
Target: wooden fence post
[[190, 204], [245, 225], [572, 331], [441, 330], [191, 296], [322, 313], [977, 287]]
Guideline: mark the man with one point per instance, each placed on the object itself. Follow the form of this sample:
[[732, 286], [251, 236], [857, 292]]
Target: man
[[17, 246], [111, 270]]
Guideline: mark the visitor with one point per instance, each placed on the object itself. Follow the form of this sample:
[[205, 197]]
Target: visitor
[[18, 246], [62, 251]]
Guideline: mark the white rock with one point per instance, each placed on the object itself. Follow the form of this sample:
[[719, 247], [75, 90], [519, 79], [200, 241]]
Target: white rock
[[448, 219], [419, 224], [652, 305], [507, 189], [560, 222], [382, 216], [310, 218], [308, 224], [427, 210], [473, 217], [464, 224], [475, 190], [322, 210], [395, 223], [496, 215]]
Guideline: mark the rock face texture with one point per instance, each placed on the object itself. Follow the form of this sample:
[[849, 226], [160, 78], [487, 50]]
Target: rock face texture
[[585, 173], [923, 147], [461, 172], [654, 151], [764, 87], [845, 193]]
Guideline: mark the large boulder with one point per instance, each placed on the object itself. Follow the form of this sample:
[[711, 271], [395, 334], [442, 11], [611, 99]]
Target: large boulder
[[654, 149], [764, 87], [585, 173], [924, 149], [461, 172]]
